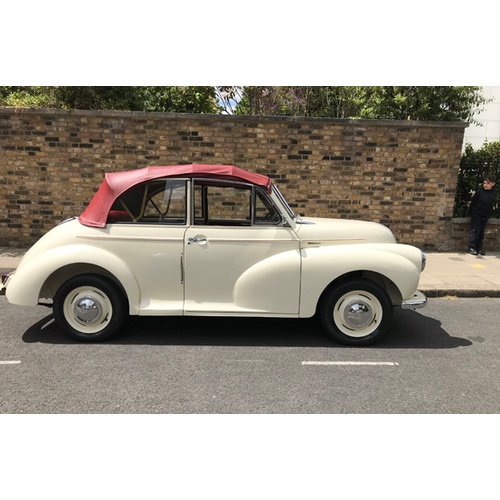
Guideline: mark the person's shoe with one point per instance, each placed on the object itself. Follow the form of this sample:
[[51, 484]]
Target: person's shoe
[[481, 252], [473, 251]]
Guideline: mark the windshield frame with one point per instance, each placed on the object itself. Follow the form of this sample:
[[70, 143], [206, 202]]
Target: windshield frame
[[283, 202]]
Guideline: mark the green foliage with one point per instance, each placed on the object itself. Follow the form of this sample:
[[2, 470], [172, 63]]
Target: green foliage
[[333, 102], [28, 97], [393, 103], [166, 99], [474, 166], [337, 102], [271, 101], [422, 103], [180, 99]]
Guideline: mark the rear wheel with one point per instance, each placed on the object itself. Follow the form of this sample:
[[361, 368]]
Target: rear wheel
[[358, 312], [90, 308]]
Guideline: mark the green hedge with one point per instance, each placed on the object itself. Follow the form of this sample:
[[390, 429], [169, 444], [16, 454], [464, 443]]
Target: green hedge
[[474, 165]]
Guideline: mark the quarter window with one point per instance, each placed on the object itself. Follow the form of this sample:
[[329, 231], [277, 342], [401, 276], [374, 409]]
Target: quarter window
[[156, 202], [265, 211]]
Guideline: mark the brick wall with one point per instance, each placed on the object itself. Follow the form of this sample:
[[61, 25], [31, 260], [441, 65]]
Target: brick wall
[[460, 234], [400, 173]]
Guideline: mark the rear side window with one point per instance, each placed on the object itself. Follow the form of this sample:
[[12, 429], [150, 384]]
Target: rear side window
[[157, 202]]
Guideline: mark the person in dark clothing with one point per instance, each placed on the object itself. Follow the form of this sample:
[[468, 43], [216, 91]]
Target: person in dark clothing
[[481, 208]]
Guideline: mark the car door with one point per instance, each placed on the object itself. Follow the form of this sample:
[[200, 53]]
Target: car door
[[238, 256], [146, 228]]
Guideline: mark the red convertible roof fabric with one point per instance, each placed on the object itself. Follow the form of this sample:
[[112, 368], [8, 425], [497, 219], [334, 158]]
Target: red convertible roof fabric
[[116, 183]]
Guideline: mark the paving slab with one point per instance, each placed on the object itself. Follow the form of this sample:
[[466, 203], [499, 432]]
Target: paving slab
[[461, 274]]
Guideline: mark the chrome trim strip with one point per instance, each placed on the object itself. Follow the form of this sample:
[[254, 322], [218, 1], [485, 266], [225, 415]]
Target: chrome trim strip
[[182, 269], [248, 240], [127, 238]]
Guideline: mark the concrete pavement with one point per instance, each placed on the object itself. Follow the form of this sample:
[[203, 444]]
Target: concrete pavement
[[10, 258], [456, 274], [461, 274]]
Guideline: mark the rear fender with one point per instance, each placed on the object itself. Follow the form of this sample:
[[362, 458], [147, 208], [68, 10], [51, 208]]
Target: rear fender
[[41, 276]]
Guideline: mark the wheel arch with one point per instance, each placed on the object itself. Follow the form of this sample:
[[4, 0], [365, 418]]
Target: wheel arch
[[324, 268], [70, 271], [41, 276], [379, 279]]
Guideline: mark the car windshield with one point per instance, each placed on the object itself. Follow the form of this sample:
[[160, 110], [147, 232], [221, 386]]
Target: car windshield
[[283, 202]]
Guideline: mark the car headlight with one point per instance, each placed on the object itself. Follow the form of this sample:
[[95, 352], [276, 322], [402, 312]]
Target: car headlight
[[424, 261]]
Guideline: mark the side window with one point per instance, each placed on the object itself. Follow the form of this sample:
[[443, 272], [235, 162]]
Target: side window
[[156, 202], [222, 205], [229, 205]]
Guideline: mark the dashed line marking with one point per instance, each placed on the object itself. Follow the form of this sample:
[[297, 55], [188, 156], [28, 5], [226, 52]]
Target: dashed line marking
[[246, 360], [350, 363], [9, 362]]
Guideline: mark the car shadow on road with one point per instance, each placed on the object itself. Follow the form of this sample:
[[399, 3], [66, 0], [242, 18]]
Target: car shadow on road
[[409, 330]]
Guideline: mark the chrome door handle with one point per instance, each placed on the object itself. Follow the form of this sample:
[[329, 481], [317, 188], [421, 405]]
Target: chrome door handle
[[196, 240]]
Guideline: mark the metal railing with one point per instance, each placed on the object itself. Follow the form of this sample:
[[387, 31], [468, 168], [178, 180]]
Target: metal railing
[[474, 166]]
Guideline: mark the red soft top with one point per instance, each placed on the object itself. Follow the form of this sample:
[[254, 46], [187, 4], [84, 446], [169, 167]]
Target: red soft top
[[116, 183]]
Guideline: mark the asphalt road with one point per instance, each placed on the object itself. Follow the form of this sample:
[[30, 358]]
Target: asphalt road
[[442, 359]]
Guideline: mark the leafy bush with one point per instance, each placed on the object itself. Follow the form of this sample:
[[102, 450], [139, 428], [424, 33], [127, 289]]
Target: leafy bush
[[163, 99], [474, 166]]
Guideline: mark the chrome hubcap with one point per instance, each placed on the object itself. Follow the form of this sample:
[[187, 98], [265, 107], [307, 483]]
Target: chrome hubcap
[[358, 314], [87, 310]]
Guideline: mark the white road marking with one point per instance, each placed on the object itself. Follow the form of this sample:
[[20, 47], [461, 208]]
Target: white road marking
[[9, 362], [350, 363], [246, 360]]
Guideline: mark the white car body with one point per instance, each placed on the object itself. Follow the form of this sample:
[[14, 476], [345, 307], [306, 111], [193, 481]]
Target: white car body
[[269, 263]]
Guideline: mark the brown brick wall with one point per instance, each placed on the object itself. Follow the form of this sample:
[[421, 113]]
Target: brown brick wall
[[460, 234], [400, 173]]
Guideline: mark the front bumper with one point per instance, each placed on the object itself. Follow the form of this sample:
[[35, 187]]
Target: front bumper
[[418, 301]]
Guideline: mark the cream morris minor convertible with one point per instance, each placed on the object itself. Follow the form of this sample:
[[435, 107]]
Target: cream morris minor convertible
[[214, 240]]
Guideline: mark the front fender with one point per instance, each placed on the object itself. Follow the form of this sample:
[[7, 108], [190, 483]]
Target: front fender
[[323, 265], [26, 284]]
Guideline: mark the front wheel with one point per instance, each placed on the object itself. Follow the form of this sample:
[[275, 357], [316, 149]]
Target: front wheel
[[89, 308], [358, 312]]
